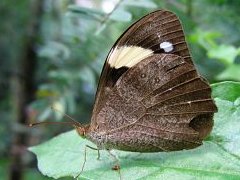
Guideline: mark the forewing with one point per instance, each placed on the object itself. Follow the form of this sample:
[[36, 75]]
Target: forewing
[[141, 40]]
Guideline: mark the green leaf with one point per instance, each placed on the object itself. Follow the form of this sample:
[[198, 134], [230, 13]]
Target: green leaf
[[121, 15], [205, 38], [140, 3], [225, 53], [227, 90], [231, 72], [87, 12], [226, 132], [53, 50], [218, 157]]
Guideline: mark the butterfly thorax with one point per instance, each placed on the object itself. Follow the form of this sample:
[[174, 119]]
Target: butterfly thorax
[[97, 138], [100, 139]]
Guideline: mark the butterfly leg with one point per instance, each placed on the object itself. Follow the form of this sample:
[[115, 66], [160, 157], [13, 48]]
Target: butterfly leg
[[85, 158], [116, 167], [96, 150]]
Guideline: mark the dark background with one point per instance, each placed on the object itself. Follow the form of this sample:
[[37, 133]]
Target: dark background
[[52, 52]]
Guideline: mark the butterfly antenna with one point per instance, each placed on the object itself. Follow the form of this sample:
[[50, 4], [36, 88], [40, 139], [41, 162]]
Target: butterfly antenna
[[71, 122]]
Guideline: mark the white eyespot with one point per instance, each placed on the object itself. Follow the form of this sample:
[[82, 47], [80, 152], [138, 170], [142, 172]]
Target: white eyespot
[[166, 46], [189, 102]]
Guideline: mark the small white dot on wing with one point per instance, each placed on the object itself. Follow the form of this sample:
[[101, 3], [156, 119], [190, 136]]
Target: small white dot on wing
[[166, 46]]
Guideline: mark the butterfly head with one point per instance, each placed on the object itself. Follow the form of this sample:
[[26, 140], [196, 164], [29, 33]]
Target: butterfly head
[[82, 130]]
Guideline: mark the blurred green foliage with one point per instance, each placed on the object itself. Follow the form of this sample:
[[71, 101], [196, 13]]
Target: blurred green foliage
[[76, 36]]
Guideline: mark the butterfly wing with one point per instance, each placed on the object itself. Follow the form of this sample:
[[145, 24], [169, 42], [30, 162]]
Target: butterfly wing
[[139, 41], [150, 97]]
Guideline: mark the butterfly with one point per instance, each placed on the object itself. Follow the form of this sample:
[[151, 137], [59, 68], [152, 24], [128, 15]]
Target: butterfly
[[150, 97]]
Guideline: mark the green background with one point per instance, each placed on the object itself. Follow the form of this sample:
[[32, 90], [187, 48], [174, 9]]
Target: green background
[[52, 52]]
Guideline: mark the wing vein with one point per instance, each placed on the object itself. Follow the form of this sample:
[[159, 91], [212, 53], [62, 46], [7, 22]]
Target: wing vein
[[164, 130], [168, 139], [191, 70], [185, 93]]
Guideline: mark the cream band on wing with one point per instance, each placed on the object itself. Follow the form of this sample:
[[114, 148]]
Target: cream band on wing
[[127, 56]]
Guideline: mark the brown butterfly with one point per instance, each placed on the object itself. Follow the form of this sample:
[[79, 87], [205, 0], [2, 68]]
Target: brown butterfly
[[150, 97]]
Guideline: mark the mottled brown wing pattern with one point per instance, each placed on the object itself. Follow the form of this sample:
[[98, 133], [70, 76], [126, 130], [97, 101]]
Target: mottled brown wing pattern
[[155, 28], [155, 101], [150, 97], [148, 33]]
